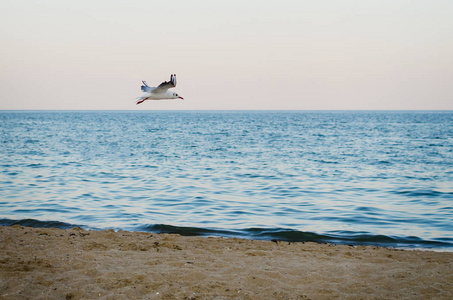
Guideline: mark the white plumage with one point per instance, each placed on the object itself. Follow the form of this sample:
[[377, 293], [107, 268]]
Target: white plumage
[[161, 92]]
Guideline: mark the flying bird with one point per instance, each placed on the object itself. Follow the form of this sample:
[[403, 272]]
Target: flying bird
[[159, 93]]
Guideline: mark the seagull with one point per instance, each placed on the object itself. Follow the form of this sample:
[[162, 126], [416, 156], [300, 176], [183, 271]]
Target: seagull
[[159, 93]]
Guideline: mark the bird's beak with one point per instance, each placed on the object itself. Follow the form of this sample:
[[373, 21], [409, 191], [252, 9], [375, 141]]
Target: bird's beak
[[181, 98]]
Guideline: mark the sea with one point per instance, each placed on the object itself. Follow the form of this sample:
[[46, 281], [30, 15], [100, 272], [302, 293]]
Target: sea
[[381, 178]]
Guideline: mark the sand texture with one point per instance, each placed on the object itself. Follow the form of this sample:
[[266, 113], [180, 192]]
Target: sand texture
[[38, 263]]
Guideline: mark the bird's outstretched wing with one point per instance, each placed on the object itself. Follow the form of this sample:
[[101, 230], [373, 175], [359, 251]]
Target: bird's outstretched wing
[[166, 84]]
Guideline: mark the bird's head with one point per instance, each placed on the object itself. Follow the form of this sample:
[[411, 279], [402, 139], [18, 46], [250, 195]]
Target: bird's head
[[176, 96]]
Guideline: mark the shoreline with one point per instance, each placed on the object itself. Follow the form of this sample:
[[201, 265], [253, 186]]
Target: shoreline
[[50, 263], [258, 233]]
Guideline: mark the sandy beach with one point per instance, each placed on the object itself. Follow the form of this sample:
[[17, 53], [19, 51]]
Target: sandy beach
[[39, 263]]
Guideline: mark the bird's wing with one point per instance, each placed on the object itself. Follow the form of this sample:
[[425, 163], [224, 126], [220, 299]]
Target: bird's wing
[[145, 87], [166, 85]]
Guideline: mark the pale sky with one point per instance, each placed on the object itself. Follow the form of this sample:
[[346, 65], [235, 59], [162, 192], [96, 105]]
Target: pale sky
[[323, 54]]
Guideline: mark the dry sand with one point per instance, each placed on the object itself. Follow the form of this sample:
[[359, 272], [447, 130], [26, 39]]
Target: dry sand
[[38, 263]]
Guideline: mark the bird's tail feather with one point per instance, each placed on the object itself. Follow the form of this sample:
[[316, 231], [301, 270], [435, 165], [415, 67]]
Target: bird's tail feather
[[145, 86]]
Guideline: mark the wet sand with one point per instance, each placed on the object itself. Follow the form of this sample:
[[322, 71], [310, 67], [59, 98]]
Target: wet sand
[[37, 263]]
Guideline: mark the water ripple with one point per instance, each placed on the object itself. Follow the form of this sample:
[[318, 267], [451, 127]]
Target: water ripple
[[350, 177]]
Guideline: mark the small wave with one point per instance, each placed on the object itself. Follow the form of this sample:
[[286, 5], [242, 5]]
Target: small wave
[[31, 141], [422, 193], [186, 231], [37, 223], [275, 234], [289, 235], [35, 165]]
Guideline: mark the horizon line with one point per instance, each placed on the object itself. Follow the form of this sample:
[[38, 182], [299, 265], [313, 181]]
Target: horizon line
[[227, 110]]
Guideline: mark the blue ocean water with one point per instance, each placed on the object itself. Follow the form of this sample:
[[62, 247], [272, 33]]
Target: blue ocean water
[[380, 178]]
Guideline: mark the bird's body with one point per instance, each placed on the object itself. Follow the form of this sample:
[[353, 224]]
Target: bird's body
[[159, 93]]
